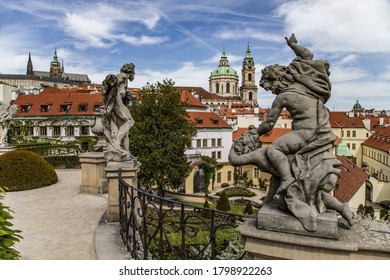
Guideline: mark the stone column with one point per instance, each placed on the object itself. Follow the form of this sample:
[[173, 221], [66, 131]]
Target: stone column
[[129, 174], [93, 179]]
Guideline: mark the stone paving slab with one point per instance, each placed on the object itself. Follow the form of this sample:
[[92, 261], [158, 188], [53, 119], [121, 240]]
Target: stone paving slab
[[57, 222]]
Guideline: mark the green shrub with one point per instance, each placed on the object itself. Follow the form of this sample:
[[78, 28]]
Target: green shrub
[[248, 208], [206, 214], [25, 170], [237, 191], [8, 237], [223, 203]]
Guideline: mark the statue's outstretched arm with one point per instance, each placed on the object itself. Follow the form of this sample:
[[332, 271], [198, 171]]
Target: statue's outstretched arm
[[300, 51]]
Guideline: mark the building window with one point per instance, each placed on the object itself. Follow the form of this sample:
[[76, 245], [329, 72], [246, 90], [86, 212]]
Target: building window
[[219, 177], [217, 88], [342, 133], [257, 173], [214, 121], [198, 143], [353, 146], [353, 133], [219, 142], [227, 87], [42, 130], [30, 131], [213, 142], [348, 133], [16, 131], [84, 130], [69, 130], [229, 176], [198, 121], [204, 142], [349, 146], [83, 108], [249, 77], [213, 154], [64, 107], [84, 146], [219, 155], [45, 108], [25, 108], [56, 131]]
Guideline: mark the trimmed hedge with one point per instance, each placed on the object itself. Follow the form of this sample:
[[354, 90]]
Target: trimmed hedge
[[237, 191], [223, 203], [24, 170]]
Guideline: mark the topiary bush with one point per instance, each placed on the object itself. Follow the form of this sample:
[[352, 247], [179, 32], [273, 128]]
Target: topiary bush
[[24, 170], [206, 214], [237, 191], [223, 203]]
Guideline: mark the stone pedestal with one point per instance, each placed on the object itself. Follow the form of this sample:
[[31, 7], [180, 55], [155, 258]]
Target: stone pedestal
[[93, 179], [129, 174], [356, 243], [270, 217], [6, 149]]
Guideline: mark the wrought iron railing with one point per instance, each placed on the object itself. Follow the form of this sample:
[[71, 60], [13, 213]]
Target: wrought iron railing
[[153, 227]]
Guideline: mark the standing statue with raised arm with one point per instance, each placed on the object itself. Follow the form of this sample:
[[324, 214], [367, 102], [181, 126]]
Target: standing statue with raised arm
[[7, 112], [117, 119], [303, 169]]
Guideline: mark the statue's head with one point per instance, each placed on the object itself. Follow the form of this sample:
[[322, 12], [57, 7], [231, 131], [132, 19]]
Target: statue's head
[[128, 68], [275, 78]]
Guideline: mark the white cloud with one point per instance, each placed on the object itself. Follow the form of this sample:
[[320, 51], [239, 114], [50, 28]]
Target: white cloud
[[232, 58], [142, 40], [246, 33], [340, 25]]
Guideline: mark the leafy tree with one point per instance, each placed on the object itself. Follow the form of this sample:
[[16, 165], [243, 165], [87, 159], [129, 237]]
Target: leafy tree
[[8, 236], [210, 167], [160, 135]]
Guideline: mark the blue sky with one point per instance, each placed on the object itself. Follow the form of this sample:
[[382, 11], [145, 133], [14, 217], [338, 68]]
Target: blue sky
[[183, 40]]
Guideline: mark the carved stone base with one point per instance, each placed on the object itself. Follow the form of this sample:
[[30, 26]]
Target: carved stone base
[[6, 149], [93, 177], [129, 174], [270, 217]]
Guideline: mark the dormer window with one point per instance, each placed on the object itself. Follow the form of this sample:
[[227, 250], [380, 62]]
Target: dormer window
[[65, 107], [96, 107], [83, 107], [25, 108], [198, 121], [214, 121], [45, 108]]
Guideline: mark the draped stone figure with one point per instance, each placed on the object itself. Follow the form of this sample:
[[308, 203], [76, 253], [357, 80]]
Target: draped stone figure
[[116, 117], [303, 170], [7, 113]]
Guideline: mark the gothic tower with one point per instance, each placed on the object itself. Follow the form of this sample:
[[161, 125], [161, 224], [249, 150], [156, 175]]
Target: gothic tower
[[248, 89], [30, 70], [55, 67]]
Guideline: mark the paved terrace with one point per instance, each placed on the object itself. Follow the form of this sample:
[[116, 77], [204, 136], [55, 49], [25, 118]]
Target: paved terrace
[[59, 223]]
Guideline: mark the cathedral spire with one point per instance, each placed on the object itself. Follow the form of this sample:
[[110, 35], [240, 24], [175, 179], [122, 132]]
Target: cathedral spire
[[30, 70]]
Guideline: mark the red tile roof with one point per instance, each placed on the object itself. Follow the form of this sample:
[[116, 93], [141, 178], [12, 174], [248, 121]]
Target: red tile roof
[[350, 180], [207, 120], [204, 94], [380, 139], [378, 121], [54, 99], [340, 119], [191, 100]]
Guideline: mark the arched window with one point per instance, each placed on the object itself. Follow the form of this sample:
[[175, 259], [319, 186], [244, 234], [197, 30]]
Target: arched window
[[250, 77], [227, 87], [217, 88], [250, 96]]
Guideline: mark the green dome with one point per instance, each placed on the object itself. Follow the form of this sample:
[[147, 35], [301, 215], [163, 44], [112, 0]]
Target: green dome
[[357, 106], [224, 68]]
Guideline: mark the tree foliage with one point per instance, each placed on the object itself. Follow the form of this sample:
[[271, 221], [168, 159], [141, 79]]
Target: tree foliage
[[210, 167], [160, 136], [8, 236]]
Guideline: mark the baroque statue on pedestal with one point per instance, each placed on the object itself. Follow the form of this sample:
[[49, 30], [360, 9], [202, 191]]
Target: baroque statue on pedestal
[[116, 117], [303, 170], [7, 113]]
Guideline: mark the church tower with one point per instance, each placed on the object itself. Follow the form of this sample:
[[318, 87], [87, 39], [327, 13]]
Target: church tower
[[55, 67], [223, 80], [248, 89], [30, 70]]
